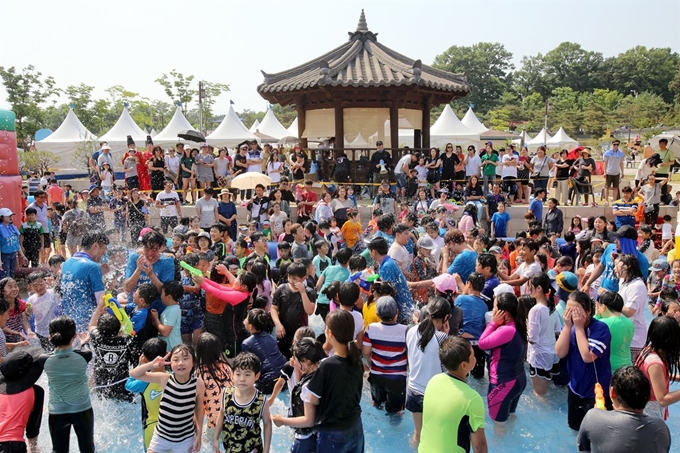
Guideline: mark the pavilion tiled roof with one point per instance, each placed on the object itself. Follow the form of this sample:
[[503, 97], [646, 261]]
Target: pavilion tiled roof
[[363, 62]]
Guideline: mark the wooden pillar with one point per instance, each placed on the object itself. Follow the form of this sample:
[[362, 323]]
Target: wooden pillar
[[300, 107], [339, 127], [394, 130], [425, 129]]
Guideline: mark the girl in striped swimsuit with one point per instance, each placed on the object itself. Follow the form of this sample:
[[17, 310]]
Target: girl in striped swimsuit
[[181, 401], [506, 338]]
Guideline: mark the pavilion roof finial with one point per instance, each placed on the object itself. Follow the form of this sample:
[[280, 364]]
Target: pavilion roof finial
[[362, 26]]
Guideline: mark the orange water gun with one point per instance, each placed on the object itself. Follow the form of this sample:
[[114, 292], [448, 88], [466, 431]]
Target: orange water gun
[[599, 396]]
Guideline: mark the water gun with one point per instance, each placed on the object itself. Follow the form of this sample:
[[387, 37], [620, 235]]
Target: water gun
[[190, 268], [113, 307], [599, 396]]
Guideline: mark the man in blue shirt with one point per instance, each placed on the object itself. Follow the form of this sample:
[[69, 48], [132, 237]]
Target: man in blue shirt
[[536, 205], [81, 280], [466, 259], [389, 272], [626, 243], [150, 267], [613, 169], [624, 209]]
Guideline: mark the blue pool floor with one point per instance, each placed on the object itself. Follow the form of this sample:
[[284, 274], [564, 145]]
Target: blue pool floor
[[539, 425]]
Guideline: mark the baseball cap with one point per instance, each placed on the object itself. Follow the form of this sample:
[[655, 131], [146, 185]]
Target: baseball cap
[[445, 282], [503, 288], [386, 308], [6, 212], [626, 232], [657, 265], [489, 143], [204, 145], [567, 281], [496, 249], [93, 187], [426, 242]]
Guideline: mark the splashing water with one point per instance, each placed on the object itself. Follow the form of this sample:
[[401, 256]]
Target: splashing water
[[538, 425]]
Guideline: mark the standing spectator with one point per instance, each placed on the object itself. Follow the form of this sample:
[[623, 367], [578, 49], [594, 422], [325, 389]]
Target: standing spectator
[[667, 159], [186, 173], [55, 194], [389, 271], [563, 165], [626, 428], [172, 165], [81, 280], [540, 167], [380, 158], [259, 206], [226, 213], [499, 222], [33, 184], [205, 164], [449, 163], [613, 170], [510, 163], [156, 169], [133, 165], [453, 413], [254, 161], [206, 209], [490, 161], [402, 169], [651, 192], [434, 169], [624, 209], [536, 205], [274, 167], [554, 218], [41, 216], [473, 163], [492, 201], [585, 166], [170, 207]]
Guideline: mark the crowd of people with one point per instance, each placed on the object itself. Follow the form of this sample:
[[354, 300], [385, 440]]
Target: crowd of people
[[209, 321]]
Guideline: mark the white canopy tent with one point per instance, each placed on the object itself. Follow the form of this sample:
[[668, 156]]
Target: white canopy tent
[[153, 133], [540, 139], [448, 128], [522, 136], [293, 128], [230, 132], [177, 124], [561, 140], [272, 127], [117, 136], [255, 125], [471, 121], [64, 143]]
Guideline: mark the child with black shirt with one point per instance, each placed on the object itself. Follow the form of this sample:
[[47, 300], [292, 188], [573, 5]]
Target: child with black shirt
[[291, 305], [218, 246], [284, 254], [112, 355]]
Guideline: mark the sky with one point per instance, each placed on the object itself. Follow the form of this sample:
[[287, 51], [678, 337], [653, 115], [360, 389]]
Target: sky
[[132, 43]]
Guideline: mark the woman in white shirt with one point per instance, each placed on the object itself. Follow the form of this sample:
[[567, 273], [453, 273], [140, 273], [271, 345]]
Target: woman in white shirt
[[274, 167], [172, 165], [634, 293], [222, 167]]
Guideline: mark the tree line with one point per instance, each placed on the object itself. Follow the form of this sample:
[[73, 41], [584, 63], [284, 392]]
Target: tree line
[[582, 90]]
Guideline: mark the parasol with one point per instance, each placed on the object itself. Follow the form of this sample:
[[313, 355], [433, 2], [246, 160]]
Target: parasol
[[250, 180], [191, 135]]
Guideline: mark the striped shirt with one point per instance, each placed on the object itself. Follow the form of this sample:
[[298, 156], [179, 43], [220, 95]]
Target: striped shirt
[[388, 349], [176, 411]]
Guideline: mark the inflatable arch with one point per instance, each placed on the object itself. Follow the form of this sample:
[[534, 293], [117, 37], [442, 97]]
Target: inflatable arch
[[10, 180]]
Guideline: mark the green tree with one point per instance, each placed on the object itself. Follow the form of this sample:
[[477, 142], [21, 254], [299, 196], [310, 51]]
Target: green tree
[[569, 65], [178, 88], [27, 91], [565, 110], [640, 69], [212, 90], [599, 111], [530, 77], [248, 117], [94, 114], [647, 110], [39, 161], [487, 67], [674, 85], [285, 115]]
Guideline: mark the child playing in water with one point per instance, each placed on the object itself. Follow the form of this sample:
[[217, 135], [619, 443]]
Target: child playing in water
[[169, 322], [17, 326], [140, 317], [190, 303], [155, 347], [69, 401], [242, 410], [307, 353], [181, 402], [263, 345], [216, 373], [4, 346], [46, 305]]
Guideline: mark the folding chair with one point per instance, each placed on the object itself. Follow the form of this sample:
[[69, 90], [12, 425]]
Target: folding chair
[[580, 188]]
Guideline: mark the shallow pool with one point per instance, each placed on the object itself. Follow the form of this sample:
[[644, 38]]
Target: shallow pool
[[539, 425]]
